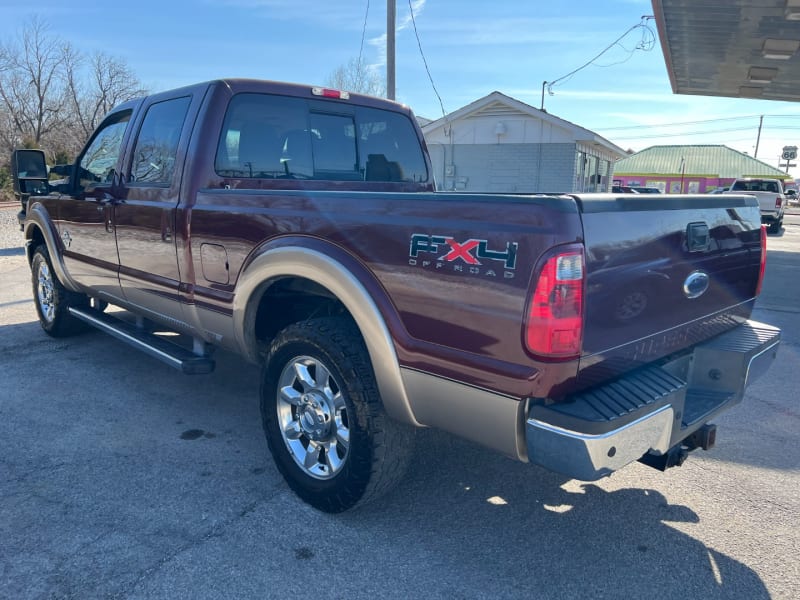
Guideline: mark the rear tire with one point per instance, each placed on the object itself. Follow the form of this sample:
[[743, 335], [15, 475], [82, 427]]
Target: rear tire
[[52, 299], [324, 420], [776, 226]]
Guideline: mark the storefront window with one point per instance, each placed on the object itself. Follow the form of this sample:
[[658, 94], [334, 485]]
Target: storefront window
[[580, 164]]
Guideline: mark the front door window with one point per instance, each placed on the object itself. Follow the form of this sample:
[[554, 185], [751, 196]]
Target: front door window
[[99, 163]]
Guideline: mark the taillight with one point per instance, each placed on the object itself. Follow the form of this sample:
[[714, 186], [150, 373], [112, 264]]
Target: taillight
[[554, 323], [763, 265], [778, 202]]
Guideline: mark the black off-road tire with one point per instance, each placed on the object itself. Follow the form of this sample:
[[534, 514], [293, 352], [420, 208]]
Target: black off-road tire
[[318, 375], [52, 299], [775, 227]]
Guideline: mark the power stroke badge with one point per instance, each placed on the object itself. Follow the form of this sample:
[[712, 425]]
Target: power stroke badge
[[445, 252]]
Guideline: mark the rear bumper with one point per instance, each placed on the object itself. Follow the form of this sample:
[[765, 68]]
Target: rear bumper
[[651, 410]]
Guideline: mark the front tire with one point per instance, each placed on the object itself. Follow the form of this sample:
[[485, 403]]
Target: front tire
[[52, 299], [324, 420]]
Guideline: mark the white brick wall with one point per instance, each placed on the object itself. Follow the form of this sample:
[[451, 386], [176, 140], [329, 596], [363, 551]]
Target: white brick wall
[[502, 167]]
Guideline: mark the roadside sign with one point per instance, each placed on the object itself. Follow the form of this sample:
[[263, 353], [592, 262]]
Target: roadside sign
[[789, 153]]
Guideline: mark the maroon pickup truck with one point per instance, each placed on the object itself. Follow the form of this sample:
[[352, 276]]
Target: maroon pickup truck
[[299, 227]]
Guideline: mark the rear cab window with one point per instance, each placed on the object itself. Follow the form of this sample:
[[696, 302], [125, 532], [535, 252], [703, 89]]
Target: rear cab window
[[755, 185], [266, 136]]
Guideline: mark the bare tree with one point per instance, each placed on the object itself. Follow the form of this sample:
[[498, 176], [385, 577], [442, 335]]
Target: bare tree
[[32, 95], [110, 82], [51, 96], [357, 76]]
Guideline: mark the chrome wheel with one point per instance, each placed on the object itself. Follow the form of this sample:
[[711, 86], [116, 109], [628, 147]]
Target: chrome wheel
[[44, 292], [312, 417], [323, 417]]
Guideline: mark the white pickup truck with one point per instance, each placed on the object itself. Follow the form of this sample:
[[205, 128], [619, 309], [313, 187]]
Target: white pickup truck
[[772, 200]]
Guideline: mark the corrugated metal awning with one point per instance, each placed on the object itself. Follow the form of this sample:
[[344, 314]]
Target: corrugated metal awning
[[735, 48]]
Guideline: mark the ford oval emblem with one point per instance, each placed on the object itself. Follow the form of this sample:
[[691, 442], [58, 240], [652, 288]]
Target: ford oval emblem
[[696, 284]]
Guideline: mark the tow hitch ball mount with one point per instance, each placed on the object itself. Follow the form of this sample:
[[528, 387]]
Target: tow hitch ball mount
[[705, 437]]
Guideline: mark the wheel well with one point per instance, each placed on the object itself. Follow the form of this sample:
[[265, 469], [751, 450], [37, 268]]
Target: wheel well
[[290, 300], [36, 239]]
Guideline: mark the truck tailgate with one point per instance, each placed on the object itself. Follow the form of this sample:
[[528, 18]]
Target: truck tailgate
[[664, 273]]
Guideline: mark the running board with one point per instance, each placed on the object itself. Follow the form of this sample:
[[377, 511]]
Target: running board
[[175, 356]]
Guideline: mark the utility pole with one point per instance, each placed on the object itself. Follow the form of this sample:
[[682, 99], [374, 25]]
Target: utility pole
[[683, 171], [391, 13], [758, 137]]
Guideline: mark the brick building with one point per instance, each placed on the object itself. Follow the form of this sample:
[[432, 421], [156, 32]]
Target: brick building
[[499, 144]]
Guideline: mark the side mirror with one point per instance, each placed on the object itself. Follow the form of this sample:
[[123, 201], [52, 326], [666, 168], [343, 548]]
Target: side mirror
[[61, 170], [791, 193], [29, 173]]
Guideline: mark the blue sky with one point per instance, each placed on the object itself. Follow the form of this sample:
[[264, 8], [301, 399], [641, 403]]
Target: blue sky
[[472, 47]]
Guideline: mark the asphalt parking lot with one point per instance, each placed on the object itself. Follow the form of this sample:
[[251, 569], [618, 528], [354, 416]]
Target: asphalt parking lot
[[121, 478]]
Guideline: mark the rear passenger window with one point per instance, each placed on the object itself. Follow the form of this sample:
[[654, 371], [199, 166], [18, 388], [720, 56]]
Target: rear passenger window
[[157, 143], [279, 137]]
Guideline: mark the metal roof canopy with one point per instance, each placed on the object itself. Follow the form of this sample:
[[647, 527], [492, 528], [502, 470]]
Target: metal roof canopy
[[734, 48], [697, 160]]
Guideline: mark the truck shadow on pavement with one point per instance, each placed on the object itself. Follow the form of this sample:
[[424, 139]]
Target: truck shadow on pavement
[[511, 527], [136, 480]]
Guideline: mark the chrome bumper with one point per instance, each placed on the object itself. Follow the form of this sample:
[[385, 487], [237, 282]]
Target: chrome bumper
[[590, 457], [585, 439]]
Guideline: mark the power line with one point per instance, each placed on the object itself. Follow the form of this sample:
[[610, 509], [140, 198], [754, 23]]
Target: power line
[[646, 44], [765, 129], [424, 61], [675, 124], [681, 123], [687, 133]]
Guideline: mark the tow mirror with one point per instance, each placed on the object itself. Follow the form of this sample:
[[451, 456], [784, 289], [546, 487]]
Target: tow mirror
[[62, 170], [29, 173]]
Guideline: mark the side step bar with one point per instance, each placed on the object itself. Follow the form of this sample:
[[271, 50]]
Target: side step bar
[[175, 356]]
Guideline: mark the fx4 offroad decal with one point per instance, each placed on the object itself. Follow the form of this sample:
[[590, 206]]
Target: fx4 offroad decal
[[470, 252]]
